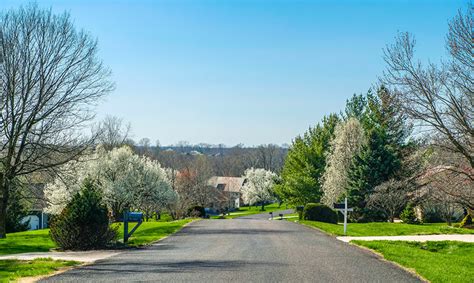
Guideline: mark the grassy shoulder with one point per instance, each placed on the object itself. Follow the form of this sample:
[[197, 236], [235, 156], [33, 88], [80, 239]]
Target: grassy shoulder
[[40, 241], [11, 270], [386, 229], [250, 210], [444, 261]]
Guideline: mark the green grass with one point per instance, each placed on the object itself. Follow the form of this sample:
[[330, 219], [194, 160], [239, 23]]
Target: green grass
[[14, 269], [250, 210], [28, 241], [150, 232], [40, 241], [386, 229], [444, 261]]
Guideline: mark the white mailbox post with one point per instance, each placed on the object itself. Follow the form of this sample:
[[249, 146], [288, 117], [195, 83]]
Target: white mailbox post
[[342, 207]]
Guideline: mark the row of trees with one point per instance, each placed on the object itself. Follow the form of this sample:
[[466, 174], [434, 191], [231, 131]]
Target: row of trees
[[126, 181], [371, 154]]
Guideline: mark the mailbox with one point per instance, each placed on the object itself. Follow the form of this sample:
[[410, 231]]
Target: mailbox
[[135, 216]]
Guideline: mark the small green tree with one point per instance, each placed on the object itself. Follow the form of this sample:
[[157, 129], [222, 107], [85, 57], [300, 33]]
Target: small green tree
[[84, 223], [17, 208], [305, 164], [408, 215]]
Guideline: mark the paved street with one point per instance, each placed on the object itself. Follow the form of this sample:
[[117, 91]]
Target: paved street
[[251, 249]]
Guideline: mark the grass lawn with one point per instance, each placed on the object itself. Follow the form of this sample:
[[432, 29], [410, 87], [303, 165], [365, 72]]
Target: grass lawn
[[39, 240], [28, 241], [15, 269], [149, 232], [386, 229], [444, 261], [250, 210]]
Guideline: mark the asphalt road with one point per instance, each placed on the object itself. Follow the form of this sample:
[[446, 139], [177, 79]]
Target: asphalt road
[[250, 249]]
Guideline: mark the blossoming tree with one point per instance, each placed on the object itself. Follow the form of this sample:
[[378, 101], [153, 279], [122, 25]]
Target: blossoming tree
[[127, 181], [347, 141], [258, 187]]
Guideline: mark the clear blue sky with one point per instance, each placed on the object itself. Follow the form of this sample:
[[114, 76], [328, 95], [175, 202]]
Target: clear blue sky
[[247, 72]]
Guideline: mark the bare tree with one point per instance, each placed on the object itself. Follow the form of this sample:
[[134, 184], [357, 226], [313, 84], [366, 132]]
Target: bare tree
[[144, 147], [191, 184], [113, 132], [50, 77], [448, 182], [270, 157], [389, 197], [439, 98]]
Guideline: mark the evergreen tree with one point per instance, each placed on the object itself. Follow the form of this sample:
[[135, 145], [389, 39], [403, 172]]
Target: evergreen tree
[[381, 157], [305, 164], [355, 107], [17, 209]]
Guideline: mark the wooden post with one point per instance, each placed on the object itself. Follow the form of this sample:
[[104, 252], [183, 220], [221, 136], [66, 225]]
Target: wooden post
[[125, 226]]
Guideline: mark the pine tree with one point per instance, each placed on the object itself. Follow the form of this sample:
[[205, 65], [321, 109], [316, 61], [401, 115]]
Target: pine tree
[[305, 164], [381, 157]]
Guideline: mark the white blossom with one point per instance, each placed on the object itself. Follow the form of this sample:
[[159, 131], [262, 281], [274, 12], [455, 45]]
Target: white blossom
[[126, 180], [258, 186], [347, 142]]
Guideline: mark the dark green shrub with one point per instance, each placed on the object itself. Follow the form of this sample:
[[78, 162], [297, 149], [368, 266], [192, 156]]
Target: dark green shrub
[[319, 212], [83, 224], [299, 210], [196, 211], [408, 215]]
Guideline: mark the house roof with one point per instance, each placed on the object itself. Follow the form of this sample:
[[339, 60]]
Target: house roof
[[227, 184]]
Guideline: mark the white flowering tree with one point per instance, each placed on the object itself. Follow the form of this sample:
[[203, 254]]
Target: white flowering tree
[[126, 179], [258, 186], [348, 140]]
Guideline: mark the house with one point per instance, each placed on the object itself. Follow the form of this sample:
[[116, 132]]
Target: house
[[36, 218], [230, 190]]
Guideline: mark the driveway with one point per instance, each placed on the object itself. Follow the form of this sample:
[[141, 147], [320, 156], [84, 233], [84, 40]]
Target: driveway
[[251, 249]]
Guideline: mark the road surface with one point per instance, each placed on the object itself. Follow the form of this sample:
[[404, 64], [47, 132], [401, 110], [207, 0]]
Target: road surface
[[250, 249]]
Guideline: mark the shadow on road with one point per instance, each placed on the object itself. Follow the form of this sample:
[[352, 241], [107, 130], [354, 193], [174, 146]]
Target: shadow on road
[[196, 230], [170, 267]]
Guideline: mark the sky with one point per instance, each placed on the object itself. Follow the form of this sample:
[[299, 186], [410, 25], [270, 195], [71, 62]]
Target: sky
[[242, 71]]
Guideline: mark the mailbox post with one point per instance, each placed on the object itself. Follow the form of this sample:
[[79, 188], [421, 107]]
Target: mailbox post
[[342, 207], [131, 217]]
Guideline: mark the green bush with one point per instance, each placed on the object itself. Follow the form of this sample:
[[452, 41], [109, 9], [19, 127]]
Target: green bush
[[299, 210], [196, 211], [83, 224], [319, 212], [408, 215]]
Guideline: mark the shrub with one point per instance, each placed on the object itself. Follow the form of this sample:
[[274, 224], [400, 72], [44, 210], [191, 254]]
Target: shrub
[[319, 212], [466, 222], [299, 210], [408, 215], [83, 224], [196, 211]]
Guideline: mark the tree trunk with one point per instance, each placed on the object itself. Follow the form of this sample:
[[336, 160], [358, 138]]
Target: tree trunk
[[3, 206], [263, 206]]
